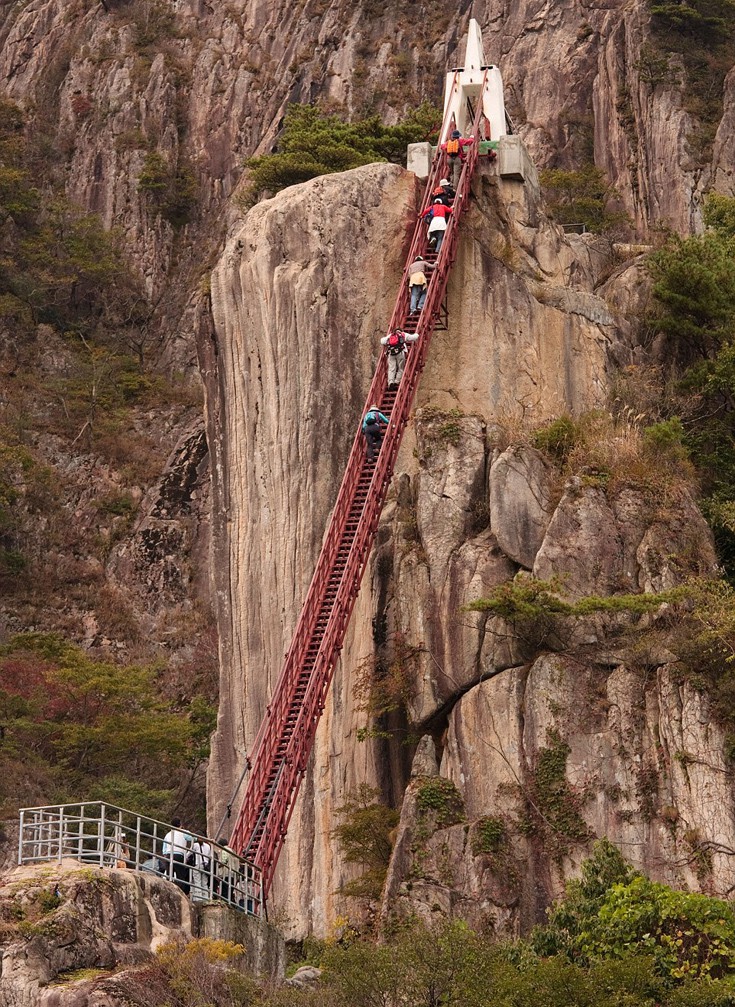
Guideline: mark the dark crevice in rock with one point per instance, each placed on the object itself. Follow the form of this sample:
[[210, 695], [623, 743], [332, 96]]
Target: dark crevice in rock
[[395, 754], [439, 720]]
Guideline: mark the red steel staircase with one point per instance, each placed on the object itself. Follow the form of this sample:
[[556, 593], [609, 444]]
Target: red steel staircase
[[284, 742]]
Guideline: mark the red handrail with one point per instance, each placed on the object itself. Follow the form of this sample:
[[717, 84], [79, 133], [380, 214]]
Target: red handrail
[[284, 741]]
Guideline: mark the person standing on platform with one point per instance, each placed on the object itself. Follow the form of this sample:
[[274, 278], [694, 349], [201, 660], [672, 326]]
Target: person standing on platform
[[202, 870], [175, 845]]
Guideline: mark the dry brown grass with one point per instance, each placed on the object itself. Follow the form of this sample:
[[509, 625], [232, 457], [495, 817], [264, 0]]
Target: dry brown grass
[[606, 449]]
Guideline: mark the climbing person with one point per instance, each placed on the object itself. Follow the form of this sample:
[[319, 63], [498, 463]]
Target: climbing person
[[418, 282], [445, 192], [437, 215], [395, 348], [447, 188], [454, 149], [175, 844], [201, 861], [373, 426]]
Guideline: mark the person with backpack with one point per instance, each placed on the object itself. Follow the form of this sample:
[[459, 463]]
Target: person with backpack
[[445, 192], [454, 149], [202, 873], [418, 282], [437, 215], [373, 427], [395, 348]]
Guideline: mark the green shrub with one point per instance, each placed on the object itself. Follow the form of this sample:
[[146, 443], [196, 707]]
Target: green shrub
[[719, 214], [558, 438], [580, 197], [155, 173], [694, 287], [666, 439], [449, 964], [526, 597], [487, 835], [203, 972], [694, 284], [583, 897], [364, 836], [174, 191], [313, 143], [705, 21], [553, 806], [613, 912], [438, 798], [100, 729], [685, 933]]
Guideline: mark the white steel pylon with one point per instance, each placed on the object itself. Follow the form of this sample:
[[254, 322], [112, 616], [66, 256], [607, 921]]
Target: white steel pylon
[[463, 87]]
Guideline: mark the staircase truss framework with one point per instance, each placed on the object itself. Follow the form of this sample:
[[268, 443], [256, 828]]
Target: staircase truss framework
[[284, 742]]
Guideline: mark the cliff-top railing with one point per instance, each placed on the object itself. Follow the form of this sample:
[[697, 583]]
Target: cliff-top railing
[[102, 835]]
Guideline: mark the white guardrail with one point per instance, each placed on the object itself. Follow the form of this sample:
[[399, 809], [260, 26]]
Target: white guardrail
[[100, 834]]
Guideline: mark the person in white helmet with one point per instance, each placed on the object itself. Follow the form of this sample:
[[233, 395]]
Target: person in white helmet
[[437, 215], [444, 191]]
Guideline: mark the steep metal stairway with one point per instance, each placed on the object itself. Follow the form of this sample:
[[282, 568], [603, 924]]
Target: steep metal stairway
[[283, 745]]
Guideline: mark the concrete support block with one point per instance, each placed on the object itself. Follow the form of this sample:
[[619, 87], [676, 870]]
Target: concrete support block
[[418, 159], [265, 949], [514, 161]]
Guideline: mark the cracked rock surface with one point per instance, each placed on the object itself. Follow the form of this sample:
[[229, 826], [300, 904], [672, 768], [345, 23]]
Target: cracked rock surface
[[467, 512]]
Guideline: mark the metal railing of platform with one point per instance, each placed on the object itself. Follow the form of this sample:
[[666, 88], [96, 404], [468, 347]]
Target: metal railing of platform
[[102, 835]]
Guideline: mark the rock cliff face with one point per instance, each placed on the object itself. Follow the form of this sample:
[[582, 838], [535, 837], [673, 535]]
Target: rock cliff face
[[297, 311], [76, 937], [539, 322], [106, 86], [206, 88], [530, 337]]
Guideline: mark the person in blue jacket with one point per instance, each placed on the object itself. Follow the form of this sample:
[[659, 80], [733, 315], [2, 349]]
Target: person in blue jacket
[[373, 426]]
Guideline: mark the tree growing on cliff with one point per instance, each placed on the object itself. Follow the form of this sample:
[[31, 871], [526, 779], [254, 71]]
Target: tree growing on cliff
[[694, 289], [364, 835], [704, 20], [313, 143], [580, 197], [614, 911], [93, 727]]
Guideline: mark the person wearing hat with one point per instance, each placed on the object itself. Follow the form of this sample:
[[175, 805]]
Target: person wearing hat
[[437, 214], [418, 282], [445, 192], [373, 426], [454, 148]]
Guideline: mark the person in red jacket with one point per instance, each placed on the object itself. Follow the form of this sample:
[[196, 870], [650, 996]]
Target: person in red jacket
[[454, 148], [437, 215]]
